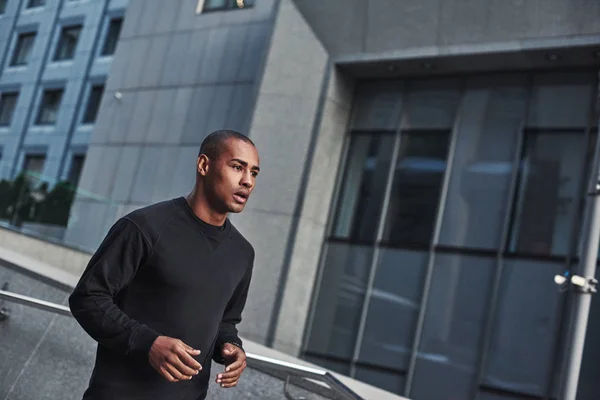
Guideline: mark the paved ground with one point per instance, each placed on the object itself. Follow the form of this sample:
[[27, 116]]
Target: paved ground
[[48, 357]]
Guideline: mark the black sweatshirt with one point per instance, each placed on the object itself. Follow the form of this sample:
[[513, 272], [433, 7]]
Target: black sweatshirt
[[161, 271]]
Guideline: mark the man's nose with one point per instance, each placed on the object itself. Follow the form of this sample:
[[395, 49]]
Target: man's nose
[[247, 180]]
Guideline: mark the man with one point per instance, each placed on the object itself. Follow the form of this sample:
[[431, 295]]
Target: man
[[165, 290]]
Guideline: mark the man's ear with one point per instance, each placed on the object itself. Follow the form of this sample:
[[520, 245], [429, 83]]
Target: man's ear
[[202, 165]]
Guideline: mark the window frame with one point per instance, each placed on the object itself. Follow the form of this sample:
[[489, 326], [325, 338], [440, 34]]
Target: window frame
[[30, 6], [62, 41], [40, 108], [107, 31], [90, 90], [21, 36], [3, 95], [230, 5]]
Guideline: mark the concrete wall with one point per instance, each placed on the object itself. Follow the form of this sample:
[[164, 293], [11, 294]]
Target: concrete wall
[[286, 128], [181, 75], [64, 261], [68, 136], [349, 27]]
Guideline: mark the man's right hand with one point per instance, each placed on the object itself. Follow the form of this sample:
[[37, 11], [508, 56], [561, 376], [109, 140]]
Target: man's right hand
[[173, 359]]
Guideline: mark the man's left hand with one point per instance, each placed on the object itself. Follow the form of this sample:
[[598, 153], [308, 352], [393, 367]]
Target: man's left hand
[[235, 364]]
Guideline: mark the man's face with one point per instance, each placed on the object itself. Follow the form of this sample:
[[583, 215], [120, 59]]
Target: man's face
[[231, 177]]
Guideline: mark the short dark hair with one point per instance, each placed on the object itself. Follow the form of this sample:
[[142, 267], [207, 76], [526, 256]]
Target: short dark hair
[[212, 146]]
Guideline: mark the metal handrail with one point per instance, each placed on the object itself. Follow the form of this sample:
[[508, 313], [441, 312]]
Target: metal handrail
[[254, 361]]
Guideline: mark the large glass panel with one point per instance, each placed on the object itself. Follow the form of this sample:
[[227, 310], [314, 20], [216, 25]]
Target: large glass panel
[[8, 103], [363, 187], [23, 48], [378, 106], [393, 309], [49, 107], [67, 44], [340, 300], [391, 381], [112, 36], [93, 105], [454, 325], [492, 116], [547, 198], [548, 108], [432, 104], [418, 179], [525, 328]]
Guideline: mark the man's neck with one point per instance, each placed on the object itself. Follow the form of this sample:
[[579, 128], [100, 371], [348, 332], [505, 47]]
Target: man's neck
[[201, 207]]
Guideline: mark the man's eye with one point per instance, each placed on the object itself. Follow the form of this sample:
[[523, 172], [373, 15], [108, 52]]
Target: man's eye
[[237, 167], [254, 173]]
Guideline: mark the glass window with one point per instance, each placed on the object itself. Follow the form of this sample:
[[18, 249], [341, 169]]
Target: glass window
[[76, 168], [8, 103], [525, 328], [363, 187], [49, 107], [112, 36], [23, 48], [387, 341], [34, 163], [36, 3], [546, 203], [492, 116], [418, 179], [93, 104], [341, 296], [3, 6], [388, 380], [67, 43], [378, 106], [214, 5], [432, 104], [454, 323]]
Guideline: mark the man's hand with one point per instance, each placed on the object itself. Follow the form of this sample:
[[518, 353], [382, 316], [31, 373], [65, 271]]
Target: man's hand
[[235, 364], [173, 359]]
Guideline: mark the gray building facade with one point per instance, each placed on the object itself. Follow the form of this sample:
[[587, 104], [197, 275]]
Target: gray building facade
[[425, 170], [55, 57]]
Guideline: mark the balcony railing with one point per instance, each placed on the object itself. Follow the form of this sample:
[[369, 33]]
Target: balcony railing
[[326, 384]]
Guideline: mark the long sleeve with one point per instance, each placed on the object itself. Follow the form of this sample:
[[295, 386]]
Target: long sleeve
[[111, 269], [228, 332]]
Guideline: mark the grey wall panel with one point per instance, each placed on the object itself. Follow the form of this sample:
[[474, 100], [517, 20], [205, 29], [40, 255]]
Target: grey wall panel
[[140, 119], [219, 109], [213, 54], [126, 171], [198, 114], [122, 112], [144, 180], [195, 51], [178, 118], [160, 118], [156, 60], [372, 26], [172, 65]]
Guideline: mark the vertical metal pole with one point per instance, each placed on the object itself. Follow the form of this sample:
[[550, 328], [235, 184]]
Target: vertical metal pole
[[582, 300]]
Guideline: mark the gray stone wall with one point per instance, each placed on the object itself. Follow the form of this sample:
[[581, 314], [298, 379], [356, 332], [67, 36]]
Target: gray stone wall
[[68, 136], [349, 27], [177, 75]]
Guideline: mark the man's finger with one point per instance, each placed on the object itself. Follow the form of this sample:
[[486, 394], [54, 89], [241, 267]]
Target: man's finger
[[228, 375], [182, 368], [234, 366], [167, 375], [189, 361], [229, 385], [229, 380], [190, 349]]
